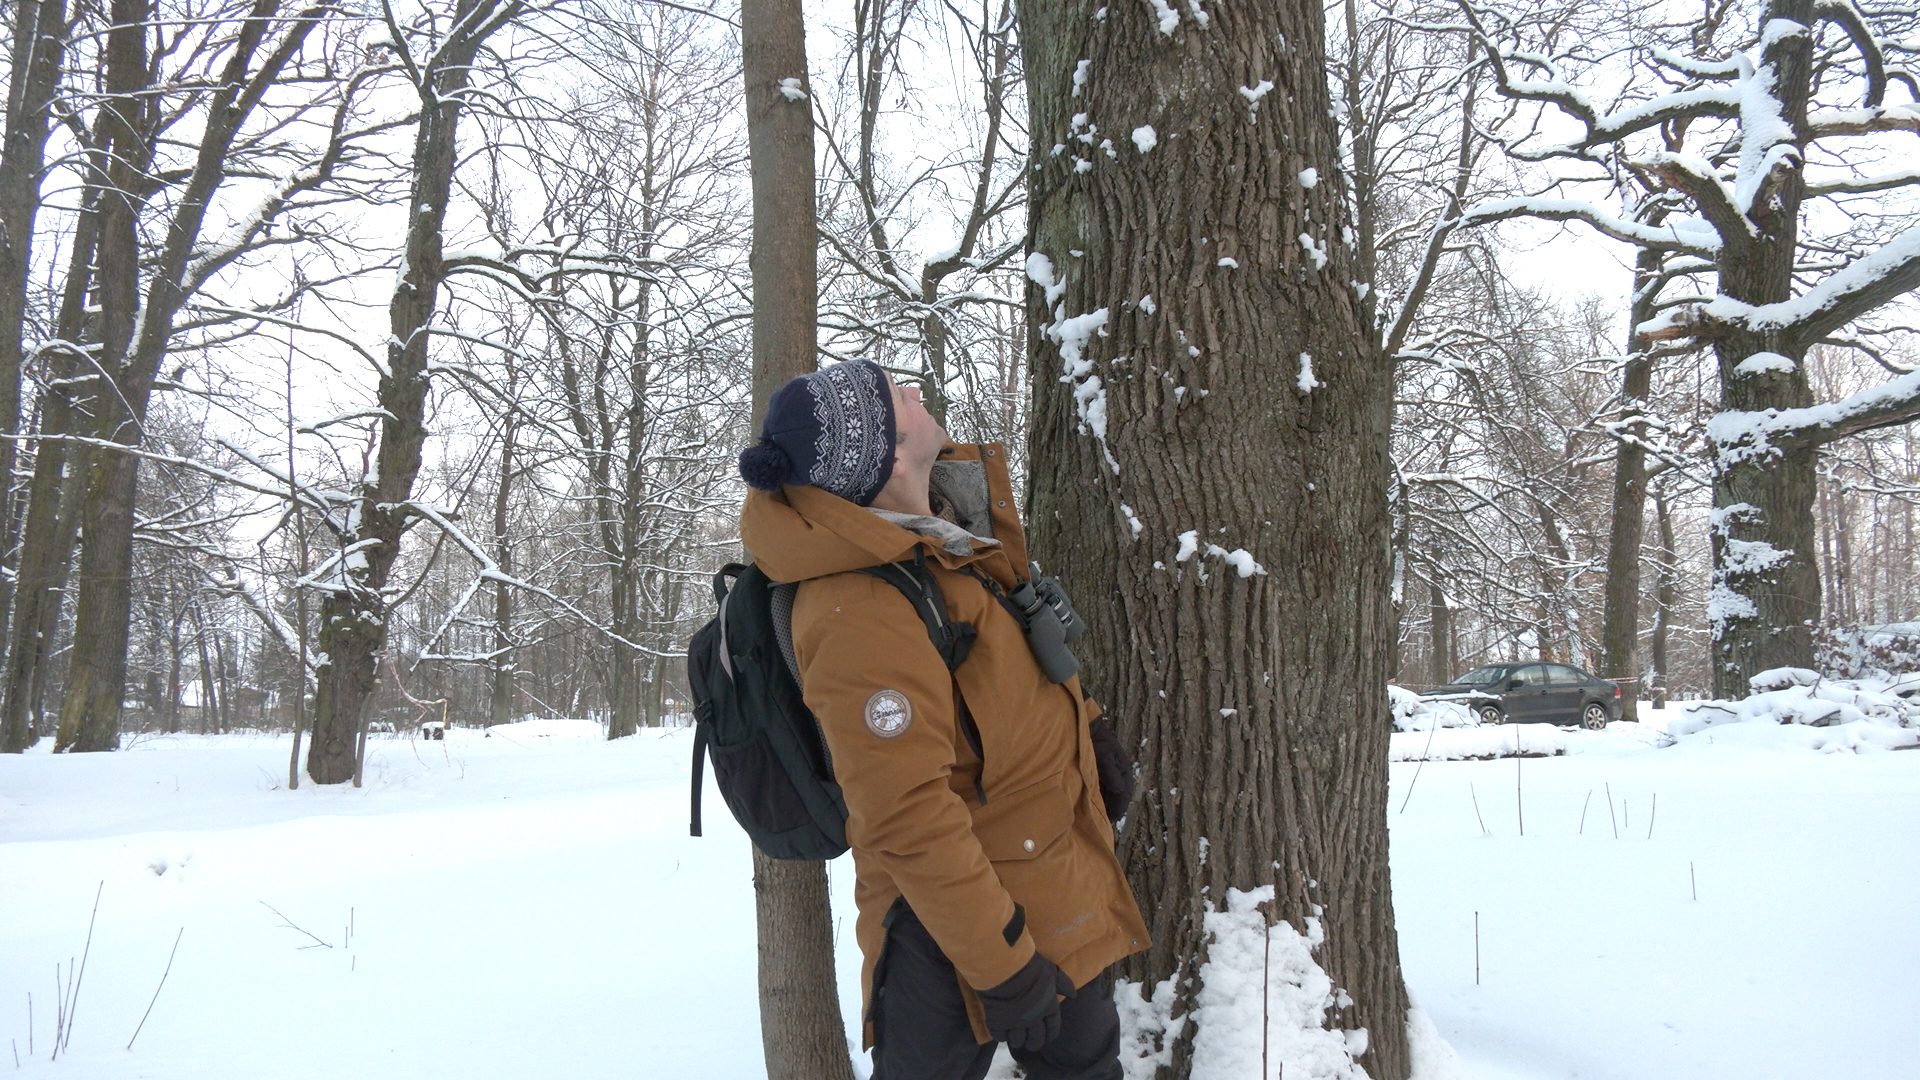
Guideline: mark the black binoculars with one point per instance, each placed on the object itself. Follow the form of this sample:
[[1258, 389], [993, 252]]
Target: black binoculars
[[1050, 623]]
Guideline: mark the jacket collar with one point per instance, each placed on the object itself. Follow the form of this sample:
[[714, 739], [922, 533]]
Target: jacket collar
[[803, 532]]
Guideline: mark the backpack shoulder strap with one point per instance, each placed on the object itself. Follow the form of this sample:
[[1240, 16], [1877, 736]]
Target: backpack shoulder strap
[[916, 582]]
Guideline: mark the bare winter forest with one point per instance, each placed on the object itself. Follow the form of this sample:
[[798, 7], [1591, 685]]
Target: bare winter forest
[[368, 364]]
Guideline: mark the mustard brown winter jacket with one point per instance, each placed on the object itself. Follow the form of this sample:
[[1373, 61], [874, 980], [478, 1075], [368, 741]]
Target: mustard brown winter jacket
[[963, 834]]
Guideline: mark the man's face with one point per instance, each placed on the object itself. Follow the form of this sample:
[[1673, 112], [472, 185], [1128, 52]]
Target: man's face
[[917, 436]]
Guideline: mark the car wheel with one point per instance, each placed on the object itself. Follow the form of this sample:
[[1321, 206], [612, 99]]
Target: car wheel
[[1595, 717], [1490, 714]]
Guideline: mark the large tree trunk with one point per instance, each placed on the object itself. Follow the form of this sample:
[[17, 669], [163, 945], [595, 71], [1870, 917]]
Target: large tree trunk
[[38, 52], [46, 540], [96, 671], [353, 625], [801, 1032], [136, 329], [1620, 621], [1765, 597], [1257, 696]]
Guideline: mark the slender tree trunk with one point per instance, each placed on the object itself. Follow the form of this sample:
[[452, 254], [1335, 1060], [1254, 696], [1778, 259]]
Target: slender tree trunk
[[1243, 638], [801, 1031], [1442, 626], [1765, 597], [223, 667], [174, 659], [627, 548], [1620, 621], [209, 711], [353, 624], [1665, 588], [501, 670]]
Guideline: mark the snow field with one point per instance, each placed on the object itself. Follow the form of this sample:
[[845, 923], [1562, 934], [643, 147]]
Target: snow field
[[1596, 961], [519, 910], [531, 905]]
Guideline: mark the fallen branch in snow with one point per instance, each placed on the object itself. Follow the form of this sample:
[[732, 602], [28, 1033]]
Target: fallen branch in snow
[[291, 925]]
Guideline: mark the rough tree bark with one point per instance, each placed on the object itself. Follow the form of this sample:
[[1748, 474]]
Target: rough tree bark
[[1620, 618], [1241, 630], [801, 1031], [353, 626], [137, 327], [90, 716], [38, 52], [1442, 633], [1766, 585], [46, 540], [1665, 591]]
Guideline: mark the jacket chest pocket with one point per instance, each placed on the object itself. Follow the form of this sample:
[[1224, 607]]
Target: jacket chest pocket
[[1023, 824]]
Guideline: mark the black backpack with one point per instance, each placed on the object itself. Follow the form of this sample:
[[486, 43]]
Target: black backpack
[[770, 757]]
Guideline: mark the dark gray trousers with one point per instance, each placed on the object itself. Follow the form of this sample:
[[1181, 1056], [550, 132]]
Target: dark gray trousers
[[921, 1031]]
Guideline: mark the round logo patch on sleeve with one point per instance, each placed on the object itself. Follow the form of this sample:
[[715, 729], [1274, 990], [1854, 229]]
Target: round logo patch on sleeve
[[888, 713]]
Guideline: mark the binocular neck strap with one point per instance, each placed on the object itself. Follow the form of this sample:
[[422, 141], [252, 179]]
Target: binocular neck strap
[[999, 594]]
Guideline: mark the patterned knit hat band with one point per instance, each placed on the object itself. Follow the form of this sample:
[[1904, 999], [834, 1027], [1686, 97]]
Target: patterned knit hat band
[[833, 429]]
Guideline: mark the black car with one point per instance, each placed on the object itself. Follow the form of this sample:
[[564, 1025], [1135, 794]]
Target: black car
[[1535, 693]]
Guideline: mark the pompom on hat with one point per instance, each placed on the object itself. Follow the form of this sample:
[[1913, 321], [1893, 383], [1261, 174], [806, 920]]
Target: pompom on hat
[[833, 429]]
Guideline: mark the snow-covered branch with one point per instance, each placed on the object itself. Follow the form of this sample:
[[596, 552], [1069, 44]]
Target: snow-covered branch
[[1754, 436], [1702, 243]]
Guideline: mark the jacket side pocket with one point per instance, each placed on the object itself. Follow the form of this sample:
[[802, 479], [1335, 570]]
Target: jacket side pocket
[[1022, 824]]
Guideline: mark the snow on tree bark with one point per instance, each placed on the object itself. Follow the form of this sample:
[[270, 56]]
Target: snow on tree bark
[[1242, 632]]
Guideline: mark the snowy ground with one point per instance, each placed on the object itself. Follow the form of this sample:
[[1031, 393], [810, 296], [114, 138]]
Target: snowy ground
[[534, 907]]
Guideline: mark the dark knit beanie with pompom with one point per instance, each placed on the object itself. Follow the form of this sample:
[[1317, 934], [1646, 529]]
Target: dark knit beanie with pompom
[[833, 429]]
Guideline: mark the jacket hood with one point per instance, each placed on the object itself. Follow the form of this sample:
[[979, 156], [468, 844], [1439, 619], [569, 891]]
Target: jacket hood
[[803, 532]]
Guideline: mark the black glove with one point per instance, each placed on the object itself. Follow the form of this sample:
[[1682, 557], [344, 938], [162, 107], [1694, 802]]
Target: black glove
[[1116, 768], [1024, 1011]]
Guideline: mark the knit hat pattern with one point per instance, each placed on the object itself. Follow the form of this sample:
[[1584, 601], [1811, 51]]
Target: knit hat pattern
[[833, 429]]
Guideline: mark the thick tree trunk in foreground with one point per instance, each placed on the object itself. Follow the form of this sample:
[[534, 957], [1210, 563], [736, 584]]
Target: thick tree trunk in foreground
[[1245, 416], [1765, 598], [801, 1031]]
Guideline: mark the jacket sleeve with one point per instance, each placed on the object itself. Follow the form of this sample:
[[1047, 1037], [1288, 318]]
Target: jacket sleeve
[[861, 649]]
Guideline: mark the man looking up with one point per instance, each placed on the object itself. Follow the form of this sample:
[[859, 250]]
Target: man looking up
[[990, 900]]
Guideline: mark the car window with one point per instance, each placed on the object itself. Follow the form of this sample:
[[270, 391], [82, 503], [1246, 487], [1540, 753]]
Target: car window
[[1532, 675], [1562, 675], [1478, 676]]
